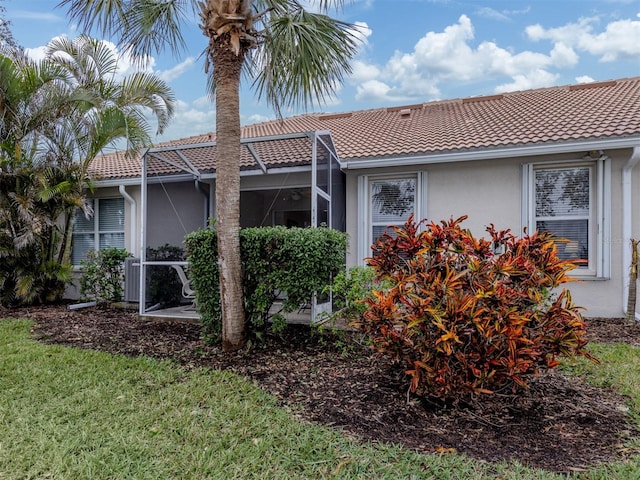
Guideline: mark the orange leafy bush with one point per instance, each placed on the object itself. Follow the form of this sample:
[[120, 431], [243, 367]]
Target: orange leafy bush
[[469, 316]]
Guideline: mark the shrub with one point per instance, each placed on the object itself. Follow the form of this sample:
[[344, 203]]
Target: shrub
[[465, 319], [349, 289], [202, 253], [103, 275], [279, 264]]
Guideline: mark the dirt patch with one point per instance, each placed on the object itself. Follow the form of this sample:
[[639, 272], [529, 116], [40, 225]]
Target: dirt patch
[[562, 425]]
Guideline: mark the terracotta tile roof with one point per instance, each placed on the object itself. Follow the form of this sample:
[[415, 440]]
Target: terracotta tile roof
[[601, 110], [588, 111], [115, 165], [272, 153]]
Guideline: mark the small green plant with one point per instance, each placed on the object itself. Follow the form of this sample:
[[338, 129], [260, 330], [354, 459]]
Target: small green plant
[[465, 319], [103, 275], [349, 289]]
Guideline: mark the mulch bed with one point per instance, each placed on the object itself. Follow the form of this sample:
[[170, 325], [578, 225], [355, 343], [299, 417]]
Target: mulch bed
[[561, 425]]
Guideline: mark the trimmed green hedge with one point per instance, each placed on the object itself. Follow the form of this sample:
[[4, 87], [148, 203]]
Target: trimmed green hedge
[[284, 264]]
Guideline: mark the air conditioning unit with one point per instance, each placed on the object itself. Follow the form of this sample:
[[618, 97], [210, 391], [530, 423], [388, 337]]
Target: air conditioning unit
[[131, 279]]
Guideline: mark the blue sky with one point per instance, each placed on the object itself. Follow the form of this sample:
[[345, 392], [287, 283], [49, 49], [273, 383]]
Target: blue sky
[[413, 51]]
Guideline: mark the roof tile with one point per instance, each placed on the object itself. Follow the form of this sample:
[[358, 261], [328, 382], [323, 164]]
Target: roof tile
[[585, 111]]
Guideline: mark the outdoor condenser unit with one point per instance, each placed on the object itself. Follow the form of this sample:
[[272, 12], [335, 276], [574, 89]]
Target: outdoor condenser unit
[[131, 279]]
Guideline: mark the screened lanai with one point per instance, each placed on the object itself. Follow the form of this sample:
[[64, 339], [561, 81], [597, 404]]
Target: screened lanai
[[290, 180]]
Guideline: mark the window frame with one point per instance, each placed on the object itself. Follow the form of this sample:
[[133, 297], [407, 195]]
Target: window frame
[[599, 215], [365, 211], [96, 232]]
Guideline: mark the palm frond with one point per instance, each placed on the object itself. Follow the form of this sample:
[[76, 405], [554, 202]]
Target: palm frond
[[146, 90], [87, 60], [154, 26], [103, 15], [304, 58], [142, 26]]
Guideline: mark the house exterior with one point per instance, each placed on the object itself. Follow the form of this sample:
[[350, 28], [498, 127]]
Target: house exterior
[[561, 159]]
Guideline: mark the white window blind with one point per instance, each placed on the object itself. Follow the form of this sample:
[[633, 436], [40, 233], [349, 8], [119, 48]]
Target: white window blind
[[104, 229], [391, 203], [564, 207]]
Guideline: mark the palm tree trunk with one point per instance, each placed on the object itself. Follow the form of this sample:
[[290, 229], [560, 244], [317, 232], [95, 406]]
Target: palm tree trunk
[[227, 73], [64, 254]]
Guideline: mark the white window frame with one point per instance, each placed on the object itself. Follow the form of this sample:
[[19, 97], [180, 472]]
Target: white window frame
[[599, 253], [365, 224], [96, 233]]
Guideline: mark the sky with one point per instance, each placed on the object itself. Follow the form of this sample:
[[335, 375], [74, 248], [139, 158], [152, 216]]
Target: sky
[[411, 51]]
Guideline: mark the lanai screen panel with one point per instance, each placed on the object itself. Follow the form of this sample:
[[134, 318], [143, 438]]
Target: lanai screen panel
[[178, 189]]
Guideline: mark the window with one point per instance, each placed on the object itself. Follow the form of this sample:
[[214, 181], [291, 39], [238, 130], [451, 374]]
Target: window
[[387, 202], [566, 200], [104, 229]]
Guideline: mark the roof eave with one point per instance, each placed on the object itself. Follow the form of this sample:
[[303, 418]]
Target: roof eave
[[494, 153], [185, 177], [116, 182]]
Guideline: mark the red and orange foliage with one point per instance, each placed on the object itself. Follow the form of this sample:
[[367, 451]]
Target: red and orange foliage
[[470, 316]]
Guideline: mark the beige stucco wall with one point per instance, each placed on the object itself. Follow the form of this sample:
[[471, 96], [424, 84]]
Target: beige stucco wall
[[487, 193], [490, 191], [131, 231], [173, 211]]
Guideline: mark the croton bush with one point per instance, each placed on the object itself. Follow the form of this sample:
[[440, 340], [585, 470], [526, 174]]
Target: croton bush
[[469, 316]]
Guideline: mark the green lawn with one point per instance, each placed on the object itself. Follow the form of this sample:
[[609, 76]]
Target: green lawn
[[67, 413]]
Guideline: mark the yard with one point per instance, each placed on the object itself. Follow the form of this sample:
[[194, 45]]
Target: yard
[[305, 406]]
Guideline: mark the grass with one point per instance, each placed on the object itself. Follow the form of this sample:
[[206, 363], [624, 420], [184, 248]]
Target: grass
[[67, 413]]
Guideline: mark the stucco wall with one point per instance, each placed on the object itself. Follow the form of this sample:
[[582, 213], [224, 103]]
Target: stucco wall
[[491, 192], [174, 213], [488, 191]]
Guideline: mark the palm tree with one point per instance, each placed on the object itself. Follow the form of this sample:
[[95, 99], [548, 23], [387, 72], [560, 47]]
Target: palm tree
[[294, 57], [107, 108], [56, 116], [6, 37]]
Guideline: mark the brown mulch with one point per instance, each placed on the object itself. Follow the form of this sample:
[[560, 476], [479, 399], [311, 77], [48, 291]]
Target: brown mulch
[[562, 425]]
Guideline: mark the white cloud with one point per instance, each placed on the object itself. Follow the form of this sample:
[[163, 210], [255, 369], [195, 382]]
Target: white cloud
[[37, 16], [177, 71], [451, 56], [619, 39], [127, 63], [255, 118], [191, 119], [496, 61], [372, 90], [492, 14], [535, 79], [501, 16], [204, 102], [375, 90], [584, 79], [563, 56], [361, 71], [37, 54], [362, 32], [436, 57]]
